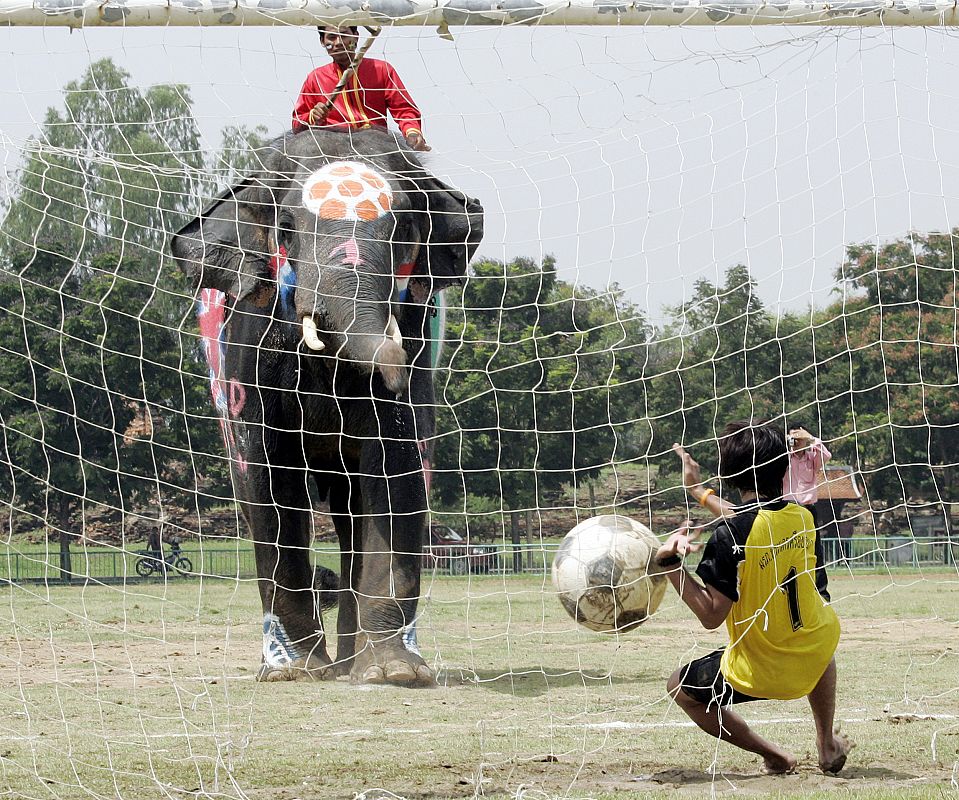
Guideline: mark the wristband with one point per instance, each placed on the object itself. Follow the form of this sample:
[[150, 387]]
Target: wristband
[[670, 561], [706, 495]]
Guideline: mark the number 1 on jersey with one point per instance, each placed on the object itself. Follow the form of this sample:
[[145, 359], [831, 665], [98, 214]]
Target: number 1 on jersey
[[792, 598]]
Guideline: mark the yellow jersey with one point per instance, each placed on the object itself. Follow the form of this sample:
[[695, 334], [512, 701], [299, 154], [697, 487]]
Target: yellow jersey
[[782, 634]]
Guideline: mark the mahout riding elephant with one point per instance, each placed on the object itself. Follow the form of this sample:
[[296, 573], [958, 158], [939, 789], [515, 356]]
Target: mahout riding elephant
[[316, 279]]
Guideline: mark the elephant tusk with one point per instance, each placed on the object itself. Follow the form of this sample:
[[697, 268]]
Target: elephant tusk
[[309, 334], [393, 331]]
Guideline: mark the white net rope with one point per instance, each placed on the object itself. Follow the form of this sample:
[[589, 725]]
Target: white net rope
[[680, 228]]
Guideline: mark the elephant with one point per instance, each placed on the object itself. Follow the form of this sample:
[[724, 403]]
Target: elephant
[[316, 279]]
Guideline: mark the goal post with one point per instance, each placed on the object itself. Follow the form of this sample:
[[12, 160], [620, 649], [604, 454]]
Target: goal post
[[90, 13]]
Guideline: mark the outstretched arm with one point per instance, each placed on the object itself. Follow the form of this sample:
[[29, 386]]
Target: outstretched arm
[[710, 606], [693, 484], [820, 452]]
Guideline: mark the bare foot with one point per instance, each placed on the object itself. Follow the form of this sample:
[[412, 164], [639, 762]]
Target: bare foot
[[833, 757], [779, 765]]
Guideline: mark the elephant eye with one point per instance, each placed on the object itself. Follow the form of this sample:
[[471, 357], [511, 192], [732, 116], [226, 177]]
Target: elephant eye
[[285, 233]]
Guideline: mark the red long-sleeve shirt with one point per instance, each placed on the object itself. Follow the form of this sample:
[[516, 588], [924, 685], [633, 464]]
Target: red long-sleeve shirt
[[374, 89]]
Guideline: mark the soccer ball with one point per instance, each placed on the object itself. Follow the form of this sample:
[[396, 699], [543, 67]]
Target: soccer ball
[[604, 574]]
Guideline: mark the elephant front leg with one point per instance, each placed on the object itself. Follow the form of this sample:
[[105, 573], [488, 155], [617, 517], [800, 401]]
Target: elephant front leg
[[294, 643], [345, 511], [388, 588]]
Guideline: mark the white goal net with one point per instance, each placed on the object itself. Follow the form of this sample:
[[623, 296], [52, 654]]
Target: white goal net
[[681, 227]]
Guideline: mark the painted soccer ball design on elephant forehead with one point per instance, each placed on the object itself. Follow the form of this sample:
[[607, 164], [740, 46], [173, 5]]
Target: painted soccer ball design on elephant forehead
[[347, 190], [354, 192]]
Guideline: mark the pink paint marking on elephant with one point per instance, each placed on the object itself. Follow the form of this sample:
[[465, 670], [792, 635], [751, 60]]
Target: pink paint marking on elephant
[[351, 252], [211, 316], [211, 311], [237, 397], [277, 260], [232, 448]]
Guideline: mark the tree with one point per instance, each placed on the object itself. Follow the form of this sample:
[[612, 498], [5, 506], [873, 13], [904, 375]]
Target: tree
[[719, 359], [532, 380], [238, 153], [98, 321], [894, 364], [876, 372], [118, 168], [82, 359], [58, 418]]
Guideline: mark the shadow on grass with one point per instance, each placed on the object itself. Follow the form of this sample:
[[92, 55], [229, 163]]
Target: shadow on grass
[[534, 681], [692, 777], [874, 773]]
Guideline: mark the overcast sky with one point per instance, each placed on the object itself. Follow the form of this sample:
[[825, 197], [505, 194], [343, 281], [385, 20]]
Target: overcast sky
[[649, 157]]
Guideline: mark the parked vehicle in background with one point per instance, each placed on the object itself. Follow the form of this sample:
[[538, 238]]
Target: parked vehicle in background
[[148, 563], [449, 551]]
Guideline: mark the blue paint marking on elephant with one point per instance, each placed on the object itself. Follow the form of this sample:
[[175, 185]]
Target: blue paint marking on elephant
[[409, 639], [278, 650], [286, 277], [437, 327]]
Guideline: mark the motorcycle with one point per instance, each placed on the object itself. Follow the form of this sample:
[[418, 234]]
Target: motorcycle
[[149, 563]]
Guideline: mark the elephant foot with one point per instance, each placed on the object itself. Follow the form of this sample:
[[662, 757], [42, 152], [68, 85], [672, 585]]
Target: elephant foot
[[398, 673], [341, 667], [310, 668], [390, 663], [288, 660]]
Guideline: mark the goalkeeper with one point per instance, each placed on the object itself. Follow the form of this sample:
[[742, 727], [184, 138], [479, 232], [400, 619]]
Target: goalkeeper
[[757, 573], [373, 89]]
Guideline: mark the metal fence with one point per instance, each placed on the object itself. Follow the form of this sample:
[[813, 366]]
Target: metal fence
[[115, 565]]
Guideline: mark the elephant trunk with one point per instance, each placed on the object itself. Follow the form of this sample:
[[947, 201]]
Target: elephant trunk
[[383, 353], [365, 333]]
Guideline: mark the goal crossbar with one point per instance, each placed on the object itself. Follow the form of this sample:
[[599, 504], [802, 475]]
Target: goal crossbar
[[443, 13]]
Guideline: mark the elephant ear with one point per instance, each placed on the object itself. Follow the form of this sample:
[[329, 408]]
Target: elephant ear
[[453, 230], [227, 247]]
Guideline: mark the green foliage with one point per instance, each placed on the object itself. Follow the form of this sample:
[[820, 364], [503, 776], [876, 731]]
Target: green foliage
[[533, 381], [546, 384], [238, 153], [99, 328], [719, 359], [117, 168], [892, 338], [83, 359], [875, 373]]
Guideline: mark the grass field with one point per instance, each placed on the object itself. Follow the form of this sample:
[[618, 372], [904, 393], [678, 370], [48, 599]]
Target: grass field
[[147, 691]]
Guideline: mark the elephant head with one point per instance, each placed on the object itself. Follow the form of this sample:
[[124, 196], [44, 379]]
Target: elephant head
[[335, 233]]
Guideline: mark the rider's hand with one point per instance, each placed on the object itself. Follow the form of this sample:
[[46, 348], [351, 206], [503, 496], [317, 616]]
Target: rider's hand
[[318, 114], [415, 140]]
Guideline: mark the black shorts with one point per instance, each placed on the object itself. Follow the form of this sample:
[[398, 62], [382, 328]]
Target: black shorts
[[704, 682]]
